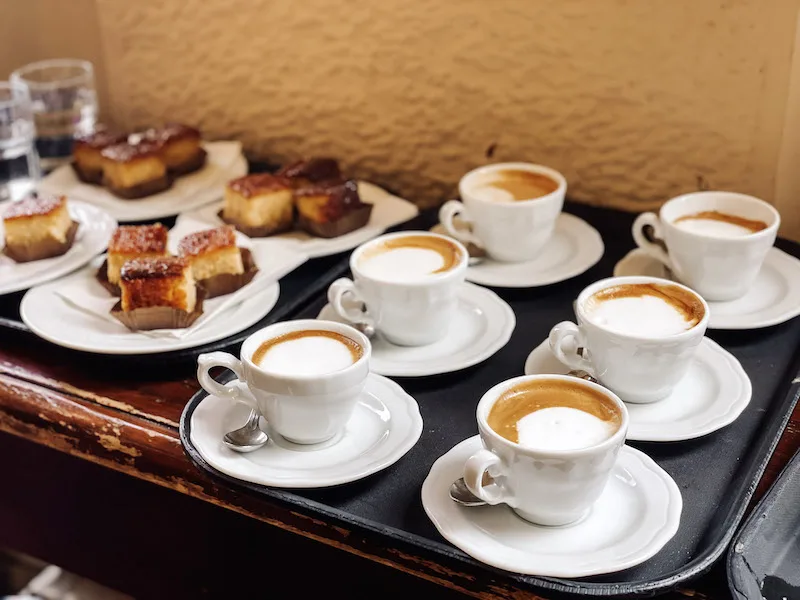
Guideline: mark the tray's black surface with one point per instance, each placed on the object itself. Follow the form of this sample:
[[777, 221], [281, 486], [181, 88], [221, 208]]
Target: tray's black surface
[[764, 559], [717, 474]]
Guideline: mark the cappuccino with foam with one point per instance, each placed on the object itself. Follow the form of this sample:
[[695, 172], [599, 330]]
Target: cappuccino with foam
[[409, 258], [514, 185], [644, 309], [307, 352], [554, 414], [719, 224]]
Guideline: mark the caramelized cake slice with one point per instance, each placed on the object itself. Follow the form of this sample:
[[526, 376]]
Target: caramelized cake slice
[[314, 170], [259, 205], [134, 241], [212, 252], [134, 170], [86, 154], [152, 282], [37, 227], [181, 149], [332, 208]]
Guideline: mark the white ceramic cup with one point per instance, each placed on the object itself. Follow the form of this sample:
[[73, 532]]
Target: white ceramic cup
[[718, 268], [405, 313], [547, 487], [638, 369], [304, 409], [508, 231]]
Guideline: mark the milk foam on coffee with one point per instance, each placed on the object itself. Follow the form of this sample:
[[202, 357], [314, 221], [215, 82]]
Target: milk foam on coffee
[[513, 185], [644, 309], [554, 415], [409, 258], [307, 352], [718, 224]]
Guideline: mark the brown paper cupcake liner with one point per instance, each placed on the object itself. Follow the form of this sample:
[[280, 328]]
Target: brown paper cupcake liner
[[262, 231], [195, 163], [148, 188], [350, 222], [102, 279], [159, 317], [91, 176], [225, 283], [47, 248]]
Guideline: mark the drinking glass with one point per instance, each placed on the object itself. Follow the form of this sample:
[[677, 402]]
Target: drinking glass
[[19, 163], [64, 103]]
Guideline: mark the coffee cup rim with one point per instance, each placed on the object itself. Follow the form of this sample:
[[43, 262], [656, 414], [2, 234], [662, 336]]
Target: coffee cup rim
[[490, 397], [769, 231], [633, 279], [428, 279], [524, 166], [281, 327]]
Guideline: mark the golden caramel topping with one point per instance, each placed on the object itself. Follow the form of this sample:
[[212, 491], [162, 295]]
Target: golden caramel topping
[[153, 268], [170, 132], [127, 152], [101, 139], [130, 239], [253, 185], [207, 241], [33, 206]]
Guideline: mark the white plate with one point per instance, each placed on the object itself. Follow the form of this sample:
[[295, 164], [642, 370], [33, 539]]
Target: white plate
[[638, 512], [773, 298], [481, 326], [50, 317], [387, 211], [223, 163], [714, 392], [96, 227], [574, 248], [385, 425]]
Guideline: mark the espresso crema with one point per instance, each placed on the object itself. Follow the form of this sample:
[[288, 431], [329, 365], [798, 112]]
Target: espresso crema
[[644, 309], [307, 352], [554, 414], [410, 257], [514, 185], [719, 224]]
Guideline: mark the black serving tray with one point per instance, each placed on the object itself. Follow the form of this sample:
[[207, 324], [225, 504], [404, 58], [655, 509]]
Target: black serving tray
[[717, 474], [764, 558]]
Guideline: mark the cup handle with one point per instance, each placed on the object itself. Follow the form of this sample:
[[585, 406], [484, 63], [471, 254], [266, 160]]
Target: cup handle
[[232, 390], [564, 331], [447, 213], [652, 248], [336, 293], [478, 465]]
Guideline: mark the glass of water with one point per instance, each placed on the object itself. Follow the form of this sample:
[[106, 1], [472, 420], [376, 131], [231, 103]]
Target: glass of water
[[64, 103], [19, 163]]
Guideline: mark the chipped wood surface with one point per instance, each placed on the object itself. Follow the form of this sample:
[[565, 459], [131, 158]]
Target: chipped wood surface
[[127, 421]]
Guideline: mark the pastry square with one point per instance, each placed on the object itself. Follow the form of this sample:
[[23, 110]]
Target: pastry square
[[166, 281], [134, 241], [86, 154], [180, 147], [314, 170], [134, 170], [259, 204], [37, 227], [331, 208], [212, 252]]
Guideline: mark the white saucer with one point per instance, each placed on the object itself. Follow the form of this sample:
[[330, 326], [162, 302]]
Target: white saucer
[[387, 211], [713, 394], [482, 325], [773, 298], [96, 227], [223, 163], [385, 425], [638, 512], [574, 248]]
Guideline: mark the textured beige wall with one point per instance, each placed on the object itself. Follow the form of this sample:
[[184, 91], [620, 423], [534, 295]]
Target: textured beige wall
[[634, 100]]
